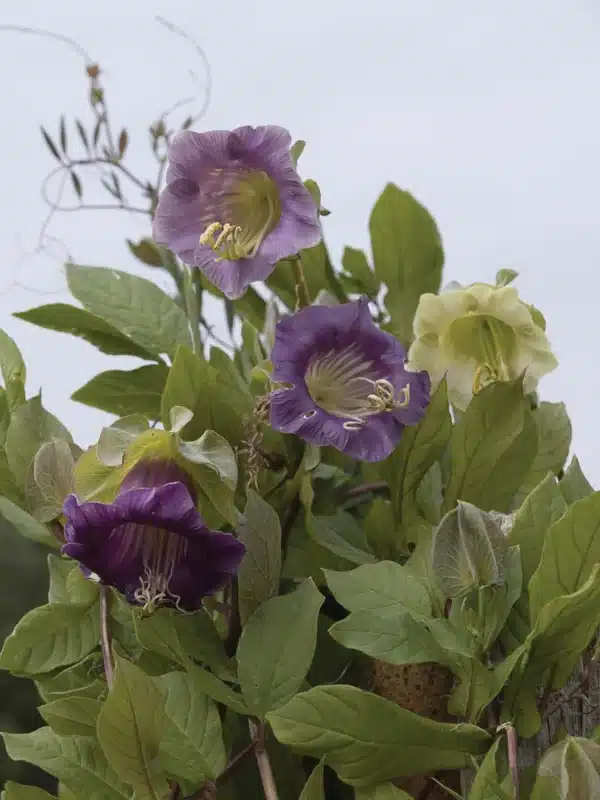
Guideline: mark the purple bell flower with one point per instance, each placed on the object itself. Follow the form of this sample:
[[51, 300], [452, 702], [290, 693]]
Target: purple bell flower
[[151, 543]]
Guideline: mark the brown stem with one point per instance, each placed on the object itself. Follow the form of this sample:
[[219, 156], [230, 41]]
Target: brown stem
[[367, 488], [236, 760], [105, 637], [262, 759], [513, 762]]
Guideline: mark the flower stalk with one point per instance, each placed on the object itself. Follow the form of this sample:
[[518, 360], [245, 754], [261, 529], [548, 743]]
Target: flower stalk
[[302, 293], [105, 635]]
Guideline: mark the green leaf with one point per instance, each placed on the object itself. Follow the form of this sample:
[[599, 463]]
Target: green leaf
[[219, 691], [49, 637], [313, 788], [554, 440], [540, 510], [296, 150], [214, 452], [487, 783], [574, 485], [26, 525], [407, 254], [65, 318], [114, 440], [126, 392], [390, 636], [260, 570], [342, 535], [136, 307], [379, 587], [504, 277], [574, 766], [383, 791], [563, 629], [16, 791], [50, 480], [486, 470], [75, 760], [319, 273], [217, 402], [357, 267], [30, 427], [68, 584], [148, 252], [192, 742], [72, 715], [570, 553], [368, 739], [84, 679], [273, 655], [13, 371], [420, 447], [130, 729], [157, 632]]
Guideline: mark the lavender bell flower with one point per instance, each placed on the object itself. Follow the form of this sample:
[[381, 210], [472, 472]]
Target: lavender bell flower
[[234, 205], [151, 543], [343, 381]]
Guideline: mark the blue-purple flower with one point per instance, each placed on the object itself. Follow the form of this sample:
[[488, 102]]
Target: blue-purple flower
[[151, 543], [343, 381], [234, 205]]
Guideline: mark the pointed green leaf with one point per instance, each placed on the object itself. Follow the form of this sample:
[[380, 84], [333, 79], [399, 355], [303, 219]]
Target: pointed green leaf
[[420, 447], [570, 553], [49, 637], [485, 469], [72, 715], [260, 570], [407, 254], [192, 741], [313, 788], [554, 440], [30, 427], [50, 480], [368, 739], [342, 535], [540, 510], [273, 655], [130, 728], [134, 306], [65, 318], [114, 440], [357, 267], [213, 451], [68, 584], [390, 636], [16, 791], [574, 485], [381, 586], [12, 369], [76, 760], [26, 525], [126, 392]]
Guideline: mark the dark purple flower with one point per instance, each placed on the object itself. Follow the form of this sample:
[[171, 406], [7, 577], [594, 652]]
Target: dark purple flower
[[151, 543], [234, 205], [344, 381]]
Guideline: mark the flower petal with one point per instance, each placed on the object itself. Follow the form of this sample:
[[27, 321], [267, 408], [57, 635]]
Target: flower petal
[[192, 154], [177, 221], [231, 277]]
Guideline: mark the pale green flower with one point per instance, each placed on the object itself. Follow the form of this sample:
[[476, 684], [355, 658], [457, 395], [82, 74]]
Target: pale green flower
[[476, 335]]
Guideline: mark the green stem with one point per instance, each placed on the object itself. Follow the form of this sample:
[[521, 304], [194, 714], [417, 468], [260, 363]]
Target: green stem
[[302, 293], [192, 309]]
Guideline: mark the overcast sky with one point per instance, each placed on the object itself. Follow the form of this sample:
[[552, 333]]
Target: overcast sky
[[487, 112]]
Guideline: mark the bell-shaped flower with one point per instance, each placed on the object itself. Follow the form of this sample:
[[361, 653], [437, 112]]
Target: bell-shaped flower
[[151, 543], [234, 205], [342, 381], [477, 335]]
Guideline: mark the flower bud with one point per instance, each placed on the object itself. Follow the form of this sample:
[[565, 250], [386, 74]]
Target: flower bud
[[469, 549]]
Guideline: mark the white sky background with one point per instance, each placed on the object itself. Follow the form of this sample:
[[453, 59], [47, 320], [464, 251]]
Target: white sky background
[[487, 112]]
